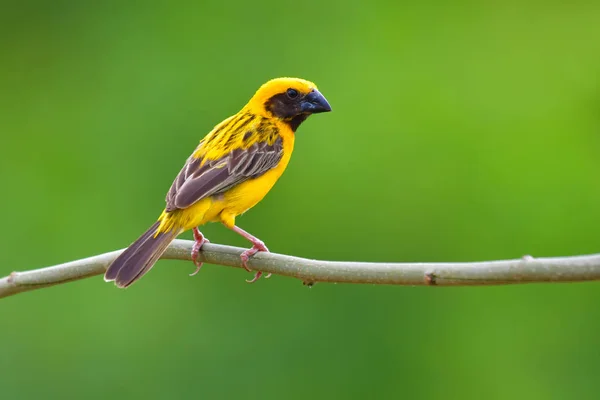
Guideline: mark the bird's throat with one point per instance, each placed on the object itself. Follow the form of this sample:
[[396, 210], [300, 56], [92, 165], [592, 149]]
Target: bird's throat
[[295, 122]]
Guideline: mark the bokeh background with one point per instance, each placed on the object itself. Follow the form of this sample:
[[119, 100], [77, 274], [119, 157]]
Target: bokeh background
[[461, 131]]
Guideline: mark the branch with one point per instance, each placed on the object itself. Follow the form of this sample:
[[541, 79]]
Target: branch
[[523, 270]]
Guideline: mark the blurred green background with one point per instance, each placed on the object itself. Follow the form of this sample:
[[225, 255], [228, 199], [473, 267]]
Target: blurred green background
[[461, 131]]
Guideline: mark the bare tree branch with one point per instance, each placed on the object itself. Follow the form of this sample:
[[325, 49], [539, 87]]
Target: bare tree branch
[[523, 270]]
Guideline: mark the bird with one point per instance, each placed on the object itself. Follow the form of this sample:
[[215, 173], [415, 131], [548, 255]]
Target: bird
[[231, 170]]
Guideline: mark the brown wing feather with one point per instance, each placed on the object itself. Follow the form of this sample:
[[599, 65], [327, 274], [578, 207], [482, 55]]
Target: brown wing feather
[[196, 181]]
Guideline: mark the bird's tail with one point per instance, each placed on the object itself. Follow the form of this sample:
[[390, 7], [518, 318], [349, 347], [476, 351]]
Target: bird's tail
[[138, 258]]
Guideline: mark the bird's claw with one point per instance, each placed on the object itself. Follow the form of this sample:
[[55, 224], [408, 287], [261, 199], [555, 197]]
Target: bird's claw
[[199, 242], [198, 267], [256, 277], [257, 246]]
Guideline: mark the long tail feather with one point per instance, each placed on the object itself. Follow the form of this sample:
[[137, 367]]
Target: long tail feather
[[140, 257]]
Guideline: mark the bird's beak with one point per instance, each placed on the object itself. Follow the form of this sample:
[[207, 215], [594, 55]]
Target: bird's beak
[[314, 102]]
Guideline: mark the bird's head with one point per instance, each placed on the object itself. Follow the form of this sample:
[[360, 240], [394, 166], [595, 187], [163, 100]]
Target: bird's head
[[289, 99]]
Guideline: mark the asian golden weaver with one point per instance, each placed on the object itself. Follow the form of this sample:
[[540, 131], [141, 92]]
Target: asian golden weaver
[[230, 171]]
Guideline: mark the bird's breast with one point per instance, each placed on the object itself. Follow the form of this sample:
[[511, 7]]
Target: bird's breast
[[246, 195]]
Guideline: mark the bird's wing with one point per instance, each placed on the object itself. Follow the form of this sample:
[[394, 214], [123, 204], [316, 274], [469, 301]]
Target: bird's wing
[[198, 180]]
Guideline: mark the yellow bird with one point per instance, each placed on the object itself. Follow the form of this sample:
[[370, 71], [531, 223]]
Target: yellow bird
[[230, 171]]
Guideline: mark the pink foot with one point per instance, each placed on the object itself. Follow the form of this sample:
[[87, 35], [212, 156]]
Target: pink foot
[[257, 246], [200, 240]]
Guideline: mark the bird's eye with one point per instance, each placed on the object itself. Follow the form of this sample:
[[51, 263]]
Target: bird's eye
[[292, 93]]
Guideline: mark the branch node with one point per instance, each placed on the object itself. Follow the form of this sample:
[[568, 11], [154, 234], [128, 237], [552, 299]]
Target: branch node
[[527, 257], [11, 277], [430, 279], [310, 284]]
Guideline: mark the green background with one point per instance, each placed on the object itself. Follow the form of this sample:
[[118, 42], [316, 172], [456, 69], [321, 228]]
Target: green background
[[461, 131]]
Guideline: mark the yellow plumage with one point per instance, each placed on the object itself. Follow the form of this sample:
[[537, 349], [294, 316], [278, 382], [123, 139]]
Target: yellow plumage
[[231, 170]]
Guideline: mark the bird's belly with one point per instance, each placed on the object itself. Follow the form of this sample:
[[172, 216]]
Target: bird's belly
[[246, 195]]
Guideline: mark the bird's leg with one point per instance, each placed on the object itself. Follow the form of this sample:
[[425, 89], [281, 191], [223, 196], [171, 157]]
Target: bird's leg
[[257, 245], [199, 242]]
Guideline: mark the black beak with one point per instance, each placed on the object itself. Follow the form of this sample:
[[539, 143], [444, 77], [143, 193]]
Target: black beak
[[314, 103]]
